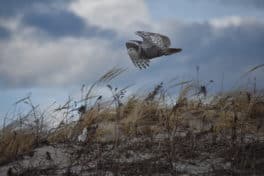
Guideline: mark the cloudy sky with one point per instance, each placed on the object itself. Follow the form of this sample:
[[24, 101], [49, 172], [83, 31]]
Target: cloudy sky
[[50, 48]]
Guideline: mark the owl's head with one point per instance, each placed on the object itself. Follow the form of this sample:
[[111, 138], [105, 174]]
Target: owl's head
[[132, 45], [132, 49]]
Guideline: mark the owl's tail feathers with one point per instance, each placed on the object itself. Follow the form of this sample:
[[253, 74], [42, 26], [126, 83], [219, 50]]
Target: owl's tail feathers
[[170, 51]]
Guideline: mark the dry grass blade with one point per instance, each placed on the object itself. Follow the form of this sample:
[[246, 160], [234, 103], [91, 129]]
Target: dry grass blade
[[153, 93], [65, 106], [21, 100], [111, 74], [180, 83], [253, 69]]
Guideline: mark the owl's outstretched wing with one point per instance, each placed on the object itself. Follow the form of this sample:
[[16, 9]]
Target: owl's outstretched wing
[[156, 39], [136, 57]]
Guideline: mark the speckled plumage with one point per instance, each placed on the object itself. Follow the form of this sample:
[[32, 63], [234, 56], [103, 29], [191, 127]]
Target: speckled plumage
[[153, 45]]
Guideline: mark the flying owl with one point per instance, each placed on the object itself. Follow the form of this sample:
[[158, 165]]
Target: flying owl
[[153, 45]]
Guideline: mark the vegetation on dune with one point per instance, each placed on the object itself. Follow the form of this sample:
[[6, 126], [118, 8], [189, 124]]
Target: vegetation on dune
[[229, 126]]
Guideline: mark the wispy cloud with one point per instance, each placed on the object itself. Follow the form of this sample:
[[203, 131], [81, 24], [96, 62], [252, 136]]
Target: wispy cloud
[[122, 16]]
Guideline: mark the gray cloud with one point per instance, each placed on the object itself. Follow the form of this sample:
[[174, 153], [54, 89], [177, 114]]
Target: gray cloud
[[76, 53], [62, 23], [121, 16], [35, 62], [52, 18], [14, 7], [4, 33], [50, 45], [56, 23], [217, 47]]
